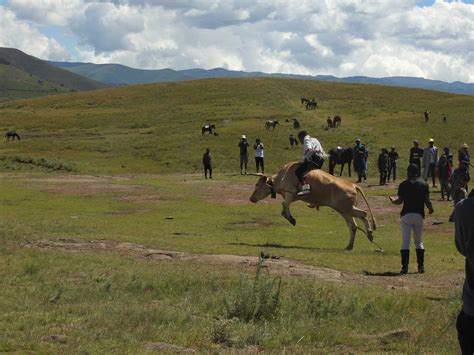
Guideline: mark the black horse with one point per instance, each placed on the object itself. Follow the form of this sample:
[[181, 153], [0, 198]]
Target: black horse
[[336, 121], [340, 156], [12, 135], [208, 128]]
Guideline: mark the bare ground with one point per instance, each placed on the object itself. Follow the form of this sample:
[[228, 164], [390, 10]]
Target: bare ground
[[274, 265]]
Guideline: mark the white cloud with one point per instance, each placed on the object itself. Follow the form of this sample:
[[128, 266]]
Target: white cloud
[[19, 34], [339, 37]]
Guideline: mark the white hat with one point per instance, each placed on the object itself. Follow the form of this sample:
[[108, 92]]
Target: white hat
[[243, 136], [431, 140]]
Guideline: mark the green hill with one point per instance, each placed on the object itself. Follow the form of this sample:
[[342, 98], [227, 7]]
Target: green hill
[[157, 127], [22, 75]]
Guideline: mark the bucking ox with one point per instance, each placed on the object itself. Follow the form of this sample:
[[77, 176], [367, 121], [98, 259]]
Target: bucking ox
[[326, 190]]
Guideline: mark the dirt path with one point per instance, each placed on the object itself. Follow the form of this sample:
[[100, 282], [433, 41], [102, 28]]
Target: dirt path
[[279, 266]]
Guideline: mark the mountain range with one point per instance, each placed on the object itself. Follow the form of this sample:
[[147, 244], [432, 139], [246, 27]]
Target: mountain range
[[117, 74]]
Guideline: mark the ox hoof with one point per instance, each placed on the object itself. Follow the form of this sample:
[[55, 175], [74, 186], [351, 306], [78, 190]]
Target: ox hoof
[[349, 247], [292, 221], [370, 236]]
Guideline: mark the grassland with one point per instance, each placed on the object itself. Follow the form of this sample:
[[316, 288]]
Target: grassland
[[83, 253]]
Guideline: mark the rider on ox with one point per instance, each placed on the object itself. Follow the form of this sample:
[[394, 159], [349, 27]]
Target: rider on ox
[[313, 158], [326, 190]]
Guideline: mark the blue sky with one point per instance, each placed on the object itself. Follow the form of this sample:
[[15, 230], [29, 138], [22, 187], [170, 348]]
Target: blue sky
[[424, 38]]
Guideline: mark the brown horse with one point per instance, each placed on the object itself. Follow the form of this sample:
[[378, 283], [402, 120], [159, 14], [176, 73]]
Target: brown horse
[[336, 122]]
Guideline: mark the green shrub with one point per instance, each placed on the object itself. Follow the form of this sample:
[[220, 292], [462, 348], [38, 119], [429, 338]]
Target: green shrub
[[254, 299]]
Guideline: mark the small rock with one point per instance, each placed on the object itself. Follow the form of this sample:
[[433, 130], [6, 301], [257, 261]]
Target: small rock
[[169, 217]]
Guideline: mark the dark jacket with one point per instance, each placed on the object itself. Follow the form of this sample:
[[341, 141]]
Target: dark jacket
[[464, 234]]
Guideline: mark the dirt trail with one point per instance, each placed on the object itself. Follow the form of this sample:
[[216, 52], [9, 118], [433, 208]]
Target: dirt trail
[[279, 266]]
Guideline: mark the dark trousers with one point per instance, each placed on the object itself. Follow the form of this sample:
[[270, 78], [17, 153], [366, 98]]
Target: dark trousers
[[206, 169], [445, 189], [392, 169], [465, 327], [314, 163], [432, 172], [383, 177], [259, 163]]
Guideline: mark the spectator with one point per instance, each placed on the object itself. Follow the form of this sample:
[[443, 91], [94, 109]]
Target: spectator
[[464, 158], [430, 159], [207, 162], [258, 146], [414, 194], [427, 115], [383, 163], [244, 155], [392, 169], [313, 158], [360, 160], [416, 153], [444, 173], [464, 237], [293, 140]]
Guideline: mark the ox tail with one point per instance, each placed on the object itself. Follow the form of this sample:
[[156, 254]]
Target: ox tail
[[359, 190]]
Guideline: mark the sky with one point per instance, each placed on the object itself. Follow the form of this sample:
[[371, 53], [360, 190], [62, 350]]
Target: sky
[[433, 39]]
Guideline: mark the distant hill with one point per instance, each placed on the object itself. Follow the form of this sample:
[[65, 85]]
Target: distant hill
[[116, 74], [22, 76]]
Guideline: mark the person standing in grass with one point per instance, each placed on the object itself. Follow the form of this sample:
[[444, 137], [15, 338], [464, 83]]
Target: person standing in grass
[[258, 146], [444, 173], [207, 162], [430, 159], [244, 154], [360, 160], [416, 153], [464, 240], [392, 169], [383, 163], [414, 194]]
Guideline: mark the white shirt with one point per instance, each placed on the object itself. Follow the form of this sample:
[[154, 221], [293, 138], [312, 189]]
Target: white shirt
[[259, 150], [311, 145]]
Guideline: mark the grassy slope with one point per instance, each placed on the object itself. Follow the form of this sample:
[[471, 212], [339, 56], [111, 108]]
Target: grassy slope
[[156, 128], [46, 72], [17, 84], [114, 302]]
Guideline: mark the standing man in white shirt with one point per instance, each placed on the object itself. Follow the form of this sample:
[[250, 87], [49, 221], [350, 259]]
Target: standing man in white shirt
[[258, 146], [430, 159], [313, 158]]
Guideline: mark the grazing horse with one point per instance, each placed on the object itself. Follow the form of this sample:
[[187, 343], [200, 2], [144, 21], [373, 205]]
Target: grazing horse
[[330, 123], [208, 128], [296, 124], [12, 135], [336, 122], [340, 156], [271, 124]]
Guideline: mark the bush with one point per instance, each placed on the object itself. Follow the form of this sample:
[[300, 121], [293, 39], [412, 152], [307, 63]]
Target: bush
[[254, 299]]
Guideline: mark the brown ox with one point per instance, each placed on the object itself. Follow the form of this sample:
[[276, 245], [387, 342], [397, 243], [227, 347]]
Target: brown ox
[[326, 190]]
